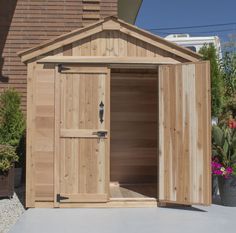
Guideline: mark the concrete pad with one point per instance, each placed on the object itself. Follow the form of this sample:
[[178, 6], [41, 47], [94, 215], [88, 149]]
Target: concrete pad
[[134, 220]]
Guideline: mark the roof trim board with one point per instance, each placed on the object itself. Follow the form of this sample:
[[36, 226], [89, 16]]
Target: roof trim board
[[106, 60]]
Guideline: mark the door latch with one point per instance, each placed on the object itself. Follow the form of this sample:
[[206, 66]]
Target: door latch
[[101, 134]]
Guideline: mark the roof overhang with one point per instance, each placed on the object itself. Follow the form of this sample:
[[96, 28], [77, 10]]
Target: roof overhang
[[112, 62], [128, 10]]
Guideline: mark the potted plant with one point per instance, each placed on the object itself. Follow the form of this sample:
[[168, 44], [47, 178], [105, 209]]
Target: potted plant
[[8, 157], [224, 163]]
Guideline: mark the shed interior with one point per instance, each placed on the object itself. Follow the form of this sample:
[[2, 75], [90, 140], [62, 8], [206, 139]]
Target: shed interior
[[134, 142]]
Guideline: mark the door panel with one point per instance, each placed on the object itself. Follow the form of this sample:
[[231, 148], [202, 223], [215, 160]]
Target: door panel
[[83, 154], [184, 134]]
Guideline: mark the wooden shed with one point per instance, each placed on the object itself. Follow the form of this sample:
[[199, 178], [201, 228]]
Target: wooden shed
[[116, 116]]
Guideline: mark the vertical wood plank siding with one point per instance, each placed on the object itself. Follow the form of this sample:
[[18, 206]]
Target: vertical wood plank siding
[[116, 43], [24, 24], [184, 124]]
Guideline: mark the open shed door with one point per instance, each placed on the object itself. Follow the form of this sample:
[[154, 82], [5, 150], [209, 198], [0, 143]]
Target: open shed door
[[185, 134], [82, 105]]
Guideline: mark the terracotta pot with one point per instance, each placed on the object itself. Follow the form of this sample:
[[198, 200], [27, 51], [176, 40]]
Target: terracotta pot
[[227, 189], [7, 183]]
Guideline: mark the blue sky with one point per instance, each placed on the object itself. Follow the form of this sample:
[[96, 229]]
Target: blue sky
[[181, 13]]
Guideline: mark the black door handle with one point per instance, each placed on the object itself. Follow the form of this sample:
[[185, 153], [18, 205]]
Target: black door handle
[[101, 111]]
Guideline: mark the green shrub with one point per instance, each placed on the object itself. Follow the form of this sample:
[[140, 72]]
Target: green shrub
[[12, 122], [228, 68], [21, 151], [8, 157], [217, 83]]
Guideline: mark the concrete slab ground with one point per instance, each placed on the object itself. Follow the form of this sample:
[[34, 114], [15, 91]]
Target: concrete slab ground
[[133, 220]]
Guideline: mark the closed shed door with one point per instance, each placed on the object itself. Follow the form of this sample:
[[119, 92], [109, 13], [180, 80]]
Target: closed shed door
[[82, 134], [185, 134]]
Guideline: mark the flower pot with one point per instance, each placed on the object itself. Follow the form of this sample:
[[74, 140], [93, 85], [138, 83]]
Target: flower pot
[[227, 189], [18, 176], [7, 183], [215, 186]]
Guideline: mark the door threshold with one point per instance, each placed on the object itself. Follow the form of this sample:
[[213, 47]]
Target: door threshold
[[132, 202], [133, 199], [109, 204]]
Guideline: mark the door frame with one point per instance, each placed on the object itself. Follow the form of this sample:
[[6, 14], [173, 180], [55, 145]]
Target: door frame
[[57, 113]]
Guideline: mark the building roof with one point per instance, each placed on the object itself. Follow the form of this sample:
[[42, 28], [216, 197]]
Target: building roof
[[128, 12]]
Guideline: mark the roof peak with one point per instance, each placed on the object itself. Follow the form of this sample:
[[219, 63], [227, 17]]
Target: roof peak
[[108, 23]]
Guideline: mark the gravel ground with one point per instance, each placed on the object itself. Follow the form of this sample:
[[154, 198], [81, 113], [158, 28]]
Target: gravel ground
[[11, 210]]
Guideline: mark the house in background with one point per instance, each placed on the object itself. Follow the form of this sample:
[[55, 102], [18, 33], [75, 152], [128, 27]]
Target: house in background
[[24, 24], [195, 43]]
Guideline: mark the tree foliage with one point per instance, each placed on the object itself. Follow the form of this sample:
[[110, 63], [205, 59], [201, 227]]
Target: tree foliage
[[8, 157], [228, 70], [228, 65], [12, 122], [217, 85]]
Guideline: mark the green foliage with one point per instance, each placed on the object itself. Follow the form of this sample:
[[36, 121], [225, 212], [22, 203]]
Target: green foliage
[[12, 122], [224, 144], [7, 157], [228, 70], [234, 169], [217, 85], [228, 66], [218, 135], [21, 151]]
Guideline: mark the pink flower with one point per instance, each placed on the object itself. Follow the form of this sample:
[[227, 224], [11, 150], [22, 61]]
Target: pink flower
[[219, 169], [232, 124], [217, 172]]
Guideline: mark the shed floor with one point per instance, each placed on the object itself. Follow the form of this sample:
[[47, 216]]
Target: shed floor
[[132, 191], [215, 219]]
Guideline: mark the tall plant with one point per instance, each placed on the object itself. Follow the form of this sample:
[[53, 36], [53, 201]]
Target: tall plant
[[12, 122], [217, 85], [224, 148], [228, 67]]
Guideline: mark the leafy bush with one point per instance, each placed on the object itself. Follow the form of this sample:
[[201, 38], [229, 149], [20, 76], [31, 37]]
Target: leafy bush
[[217, 84], [12, 122], [21, 151], [228, 69], [7, 157]]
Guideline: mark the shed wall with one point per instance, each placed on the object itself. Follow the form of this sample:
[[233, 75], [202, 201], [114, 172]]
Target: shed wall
[[40, 133]]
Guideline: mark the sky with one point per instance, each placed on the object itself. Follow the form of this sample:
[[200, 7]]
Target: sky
[[162, 14]]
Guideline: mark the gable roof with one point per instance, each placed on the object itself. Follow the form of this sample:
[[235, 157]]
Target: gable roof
[[109, 23]]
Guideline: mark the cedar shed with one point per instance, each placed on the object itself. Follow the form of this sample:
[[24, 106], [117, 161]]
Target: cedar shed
[[116, 117]]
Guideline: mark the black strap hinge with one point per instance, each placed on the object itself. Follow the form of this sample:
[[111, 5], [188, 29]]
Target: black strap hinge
[[62, 68], [61, 198]]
